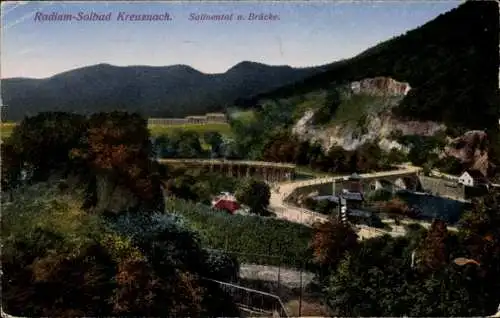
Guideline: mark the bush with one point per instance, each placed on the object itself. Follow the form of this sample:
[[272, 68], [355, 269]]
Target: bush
[[62, 261], [222, 266], [254, 238], [255, 194]]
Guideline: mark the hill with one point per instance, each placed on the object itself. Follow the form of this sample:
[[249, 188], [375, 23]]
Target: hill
[[451, 63], [169, 91]]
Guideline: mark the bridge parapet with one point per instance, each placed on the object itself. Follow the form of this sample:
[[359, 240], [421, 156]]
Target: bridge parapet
[[229, 162], [269, 171]]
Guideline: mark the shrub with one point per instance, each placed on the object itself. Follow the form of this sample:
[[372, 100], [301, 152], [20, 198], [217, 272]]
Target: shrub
[[222, 266], [255, 194], [58, 259]]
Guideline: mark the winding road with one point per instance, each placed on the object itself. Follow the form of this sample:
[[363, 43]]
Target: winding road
[[300, 215]]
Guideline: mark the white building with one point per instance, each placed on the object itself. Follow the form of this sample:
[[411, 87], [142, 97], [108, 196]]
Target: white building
[[472, 178]]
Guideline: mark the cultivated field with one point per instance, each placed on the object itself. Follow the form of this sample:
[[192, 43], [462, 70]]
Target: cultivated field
[[6, 129]]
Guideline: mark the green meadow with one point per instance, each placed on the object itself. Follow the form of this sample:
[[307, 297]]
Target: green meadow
[[156, 130]]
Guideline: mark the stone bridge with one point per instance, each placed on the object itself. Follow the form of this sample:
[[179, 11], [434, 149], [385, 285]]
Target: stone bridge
[[269, 171], [407, 178]]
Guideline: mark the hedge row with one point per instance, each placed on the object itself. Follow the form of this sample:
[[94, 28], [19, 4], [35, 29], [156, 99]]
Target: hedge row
[[253, 239]]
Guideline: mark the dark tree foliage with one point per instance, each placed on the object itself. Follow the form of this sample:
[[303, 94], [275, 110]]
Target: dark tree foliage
[[58, 260], [214, 139], [197, 184], [331, 240], [43, 143], [378, 279], [255, 194], [11, 166], [116, 148], [433, 252], [182, 144], [327, 111], [281, 147]]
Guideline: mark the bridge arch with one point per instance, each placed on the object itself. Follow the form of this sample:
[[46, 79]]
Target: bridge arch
[[400, 184]]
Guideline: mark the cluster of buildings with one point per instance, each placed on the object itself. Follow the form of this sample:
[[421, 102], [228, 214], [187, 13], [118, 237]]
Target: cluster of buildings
[[351, 196], [210, 118]]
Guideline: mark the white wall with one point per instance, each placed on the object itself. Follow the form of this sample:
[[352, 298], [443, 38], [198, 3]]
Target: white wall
[[466, 179]]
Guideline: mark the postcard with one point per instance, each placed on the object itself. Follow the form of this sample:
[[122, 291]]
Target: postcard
[[250, 158]]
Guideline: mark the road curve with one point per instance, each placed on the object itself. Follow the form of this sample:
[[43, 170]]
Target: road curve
[[299, 215]]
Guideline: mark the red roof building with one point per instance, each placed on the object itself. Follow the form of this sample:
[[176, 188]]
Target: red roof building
[[227, 205]]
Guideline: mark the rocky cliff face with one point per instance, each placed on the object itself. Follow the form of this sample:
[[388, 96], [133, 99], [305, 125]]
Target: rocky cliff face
[[472, 150], [380, 86], [378, 125]]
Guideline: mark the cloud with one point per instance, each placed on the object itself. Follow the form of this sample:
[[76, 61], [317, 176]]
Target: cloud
[[20, 20], [11, 5]]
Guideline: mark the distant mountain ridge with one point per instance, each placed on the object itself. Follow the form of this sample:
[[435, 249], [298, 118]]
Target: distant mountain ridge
[[169, 91]]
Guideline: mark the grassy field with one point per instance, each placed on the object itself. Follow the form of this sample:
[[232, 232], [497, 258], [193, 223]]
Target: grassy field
[[156, 130], [6, 129], [224, 129]]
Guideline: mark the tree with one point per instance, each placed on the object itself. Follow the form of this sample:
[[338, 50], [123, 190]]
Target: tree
[[396, 156], [187, 144], [480, 229], [214, 139], [337, 159], [326, 112], [255, 194], [116, 149], [369, 157], [316, 156], [281, 147], [450, 165], [330, 241], [433, 253], [43, 143], [63, 261], [11, 166]]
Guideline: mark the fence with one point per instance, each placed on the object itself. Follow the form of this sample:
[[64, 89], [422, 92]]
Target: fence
[[289, 280], [253, 300]]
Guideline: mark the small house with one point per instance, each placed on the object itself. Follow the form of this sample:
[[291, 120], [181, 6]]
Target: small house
[[473, 178], [226, 202], [229, 206]]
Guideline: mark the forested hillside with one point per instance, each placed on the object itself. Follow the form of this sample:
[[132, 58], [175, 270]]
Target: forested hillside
[[451, 63]]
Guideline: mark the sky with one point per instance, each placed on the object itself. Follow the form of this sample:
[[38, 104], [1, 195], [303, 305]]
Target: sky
[[306, 34]]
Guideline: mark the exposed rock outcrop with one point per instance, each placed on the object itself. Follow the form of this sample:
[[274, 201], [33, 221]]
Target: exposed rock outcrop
[[379, 126], [380, 86], [472, 150]]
